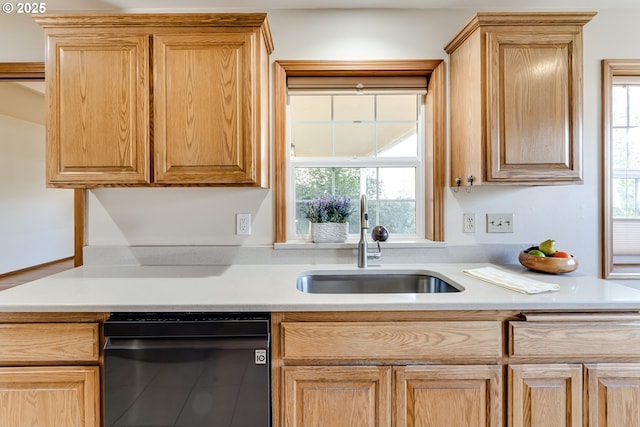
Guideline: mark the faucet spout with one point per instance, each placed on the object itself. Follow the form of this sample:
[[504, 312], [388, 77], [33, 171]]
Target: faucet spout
[[363, 249], [379, 234]]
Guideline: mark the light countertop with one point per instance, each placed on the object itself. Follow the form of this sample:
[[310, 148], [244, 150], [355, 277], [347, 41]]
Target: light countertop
[[273, 288]]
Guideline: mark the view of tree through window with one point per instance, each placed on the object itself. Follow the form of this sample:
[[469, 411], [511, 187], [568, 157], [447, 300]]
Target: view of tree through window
[[348, 145]]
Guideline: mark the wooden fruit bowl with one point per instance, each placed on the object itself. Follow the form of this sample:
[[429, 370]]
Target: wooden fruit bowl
[[548, 264]]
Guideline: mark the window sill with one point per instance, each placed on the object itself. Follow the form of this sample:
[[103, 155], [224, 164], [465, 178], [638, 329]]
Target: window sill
[[353, 244]]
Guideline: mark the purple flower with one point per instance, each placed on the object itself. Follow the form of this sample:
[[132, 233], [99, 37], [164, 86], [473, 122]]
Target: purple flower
[[328, 209]]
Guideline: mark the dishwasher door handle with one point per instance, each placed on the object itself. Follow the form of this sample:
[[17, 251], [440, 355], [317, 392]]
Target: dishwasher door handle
[[133, 344]]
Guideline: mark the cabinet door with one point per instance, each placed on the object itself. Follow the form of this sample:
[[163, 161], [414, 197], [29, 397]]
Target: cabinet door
[[98, 123], [61, 396], [534, 105], [321, 396], [545, 395], [448, 396], [205, 103], [613, 395]]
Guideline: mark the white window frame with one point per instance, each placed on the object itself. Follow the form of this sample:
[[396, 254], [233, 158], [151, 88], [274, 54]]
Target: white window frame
[[378, 162]]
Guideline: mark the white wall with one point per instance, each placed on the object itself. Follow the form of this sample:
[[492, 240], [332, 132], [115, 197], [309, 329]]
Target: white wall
[[205, 216], [36, 224]]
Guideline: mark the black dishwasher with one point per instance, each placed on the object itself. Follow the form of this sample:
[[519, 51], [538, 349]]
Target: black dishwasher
[[187, 370]]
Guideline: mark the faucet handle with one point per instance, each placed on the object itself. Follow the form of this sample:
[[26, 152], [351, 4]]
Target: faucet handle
[[379, 233]]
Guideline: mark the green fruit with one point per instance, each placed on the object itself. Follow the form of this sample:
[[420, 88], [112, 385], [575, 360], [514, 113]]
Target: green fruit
[[548, 247], [536, 252]]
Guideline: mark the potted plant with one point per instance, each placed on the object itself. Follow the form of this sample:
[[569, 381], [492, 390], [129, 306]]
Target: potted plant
[[328, 216]]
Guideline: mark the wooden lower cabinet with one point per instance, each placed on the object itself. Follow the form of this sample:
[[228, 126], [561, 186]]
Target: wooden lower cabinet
[[545, 395], [337, 396], [593, 389], [382, 369], [384, 396], [50, 366], [542, 395], [468, 369], [447, 396], [57, 396], [613, 394]]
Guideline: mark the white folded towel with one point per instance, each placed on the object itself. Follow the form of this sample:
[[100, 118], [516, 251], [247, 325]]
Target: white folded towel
[[511, 281]]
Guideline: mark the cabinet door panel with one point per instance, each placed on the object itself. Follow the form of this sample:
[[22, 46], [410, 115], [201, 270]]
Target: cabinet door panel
[[448, 396], [204, 94], [61, 396], [97, 130], [613, 395], [545, 395], [321, 396], [534, 107]]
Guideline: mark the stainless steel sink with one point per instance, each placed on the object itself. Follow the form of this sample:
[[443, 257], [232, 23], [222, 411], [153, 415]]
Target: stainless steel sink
[[373, 283]]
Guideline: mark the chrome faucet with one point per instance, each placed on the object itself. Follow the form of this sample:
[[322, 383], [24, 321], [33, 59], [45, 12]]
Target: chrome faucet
[[379, 234]]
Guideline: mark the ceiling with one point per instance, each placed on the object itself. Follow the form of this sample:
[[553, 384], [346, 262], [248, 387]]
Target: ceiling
[[263, 5]]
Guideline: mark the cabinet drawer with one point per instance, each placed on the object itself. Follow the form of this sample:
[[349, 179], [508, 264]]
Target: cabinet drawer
[[48, 342], [579, 339], [437, 341]]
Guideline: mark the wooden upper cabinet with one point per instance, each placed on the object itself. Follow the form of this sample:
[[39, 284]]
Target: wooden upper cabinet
[[516, 99], [98, 109], [144, 99], [203, 97]]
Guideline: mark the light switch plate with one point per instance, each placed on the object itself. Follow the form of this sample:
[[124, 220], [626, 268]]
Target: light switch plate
[[500, 223]]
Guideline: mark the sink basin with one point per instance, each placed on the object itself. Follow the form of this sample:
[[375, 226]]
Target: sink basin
[[373, 283]]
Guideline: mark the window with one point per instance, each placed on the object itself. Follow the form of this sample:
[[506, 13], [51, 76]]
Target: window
[[386, 141], [621, 136], [351, 144]]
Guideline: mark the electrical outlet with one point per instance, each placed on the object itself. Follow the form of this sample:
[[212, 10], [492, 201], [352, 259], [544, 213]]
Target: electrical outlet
[[243, 224], [500, 223], [469, 222]]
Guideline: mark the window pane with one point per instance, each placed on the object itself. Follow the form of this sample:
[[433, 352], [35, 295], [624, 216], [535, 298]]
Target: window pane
[[310, 108], [619, 148], [397, 183], [634, 105], [313, 183], [625, 197], [397, 140], [390, 192], [398, 108], [354, 108], [392, 198], [619, 106], [633, 141], [311, 140], [625, 154], [354, 139]]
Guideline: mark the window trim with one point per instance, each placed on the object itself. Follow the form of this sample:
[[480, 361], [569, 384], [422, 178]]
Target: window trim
[[610, 69], [434, 149]]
